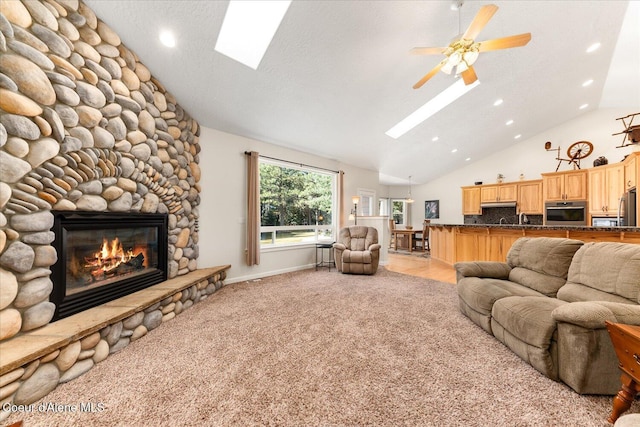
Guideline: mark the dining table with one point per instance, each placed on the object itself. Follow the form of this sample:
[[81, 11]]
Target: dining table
[[406, 235]]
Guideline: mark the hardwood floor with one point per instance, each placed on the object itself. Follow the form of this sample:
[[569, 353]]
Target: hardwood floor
[[421, 267]]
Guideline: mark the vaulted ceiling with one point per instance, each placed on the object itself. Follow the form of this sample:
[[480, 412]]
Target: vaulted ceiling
[[338, 75]]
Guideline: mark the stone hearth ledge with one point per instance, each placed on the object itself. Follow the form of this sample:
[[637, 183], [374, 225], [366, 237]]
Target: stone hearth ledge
[[21, 350]]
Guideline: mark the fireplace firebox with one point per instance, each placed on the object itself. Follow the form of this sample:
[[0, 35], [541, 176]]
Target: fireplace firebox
[[103, 256]]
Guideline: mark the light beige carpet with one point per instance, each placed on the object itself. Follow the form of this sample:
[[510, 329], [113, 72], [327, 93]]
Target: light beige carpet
[[322, 349]]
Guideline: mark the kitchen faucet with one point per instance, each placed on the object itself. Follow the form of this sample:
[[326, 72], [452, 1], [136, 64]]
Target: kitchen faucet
[[522, 218], [503, 219]]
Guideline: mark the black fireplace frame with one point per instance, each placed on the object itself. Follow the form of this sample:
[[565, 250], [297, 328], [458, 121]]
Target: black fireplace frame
[[67, 305]]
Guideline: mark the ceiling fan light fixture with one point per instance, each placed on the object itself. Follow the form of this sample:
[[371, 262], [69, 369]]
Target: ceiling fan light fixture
[[470, 57], [462, 67], [455, 57], [447, 68]]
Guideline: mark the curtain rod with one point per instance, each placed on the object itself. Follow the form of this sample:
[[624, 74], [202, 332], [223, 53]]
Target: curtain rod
[[248, 153]]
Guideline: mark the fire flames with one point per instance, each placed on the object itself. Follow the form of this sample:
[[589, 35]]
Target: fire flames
[[112, 259]]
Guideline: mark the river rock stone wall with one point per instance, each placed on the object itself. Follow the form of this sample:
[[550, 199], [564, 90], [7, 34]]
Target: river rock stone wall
[[83, 126], [31, 382]]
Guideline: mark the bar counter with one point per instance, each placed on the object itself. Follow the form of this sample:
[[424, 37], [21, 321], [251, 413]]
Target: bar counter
[[452, 243]]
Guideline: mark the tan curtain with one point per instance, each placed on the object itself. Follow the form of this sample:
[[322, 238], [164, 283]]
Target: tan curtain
[[253, 209], [341, 221]]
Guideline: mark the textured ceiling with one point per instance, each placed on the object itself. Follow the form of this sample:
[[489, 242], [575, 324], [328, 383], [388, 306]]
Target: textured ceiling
[[338, 74]]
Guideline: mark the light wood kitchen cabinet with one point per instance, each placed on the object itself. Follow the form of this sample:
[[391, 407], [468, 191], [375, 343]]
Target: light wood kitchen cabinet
[[606, 185], [443, 243], [530, 197], [571, 185], [631, 166], [471, 201], [498, 193]]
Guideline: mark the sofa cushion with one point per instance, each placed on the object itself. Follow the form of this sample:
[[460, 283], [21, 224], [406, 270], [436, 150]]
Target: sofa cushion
[[528, 318], [361, 257], [576, 292], [543, 283], [482, 293], [610, 267], [547, 256], [525, 325]]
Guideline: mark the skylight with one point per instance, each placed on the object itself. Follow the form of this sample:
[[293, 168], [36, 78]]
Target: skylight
[[436, 104], [248, 28]]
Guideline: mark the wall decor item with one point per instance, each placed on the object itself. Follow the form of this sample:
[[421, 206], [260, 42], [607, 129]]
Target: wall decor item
[[600, 161], [631, 132], [432, 209], [576, 152]]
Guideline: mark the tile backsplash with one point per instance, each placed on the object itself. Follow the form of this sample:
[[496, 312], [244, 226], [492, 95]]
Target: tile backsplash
[[493, 216]]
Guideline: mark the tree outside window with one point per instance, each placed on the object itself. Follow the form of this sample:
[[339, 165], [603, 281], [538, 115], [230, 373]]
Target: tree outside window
[[398, 209], [296, 205]]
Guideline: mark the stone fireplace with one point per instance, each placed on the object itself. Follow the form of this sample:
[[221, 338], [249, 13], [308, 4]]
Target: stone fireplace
[[88, 135], [103, 256]]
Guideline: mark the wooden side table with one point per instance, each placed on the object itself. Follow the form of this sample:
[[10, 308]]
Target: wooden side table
[[626, 342]]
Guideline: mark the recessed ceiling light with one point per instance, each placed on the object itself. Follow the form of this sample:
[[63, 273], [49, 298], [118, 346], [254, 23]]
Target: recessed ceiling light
[[587, 83], [593, 47], [467, 159], [434, 105], [517, 136], [435, 138], [583, 106], [498, 102], [167, 38], [248, 28], [455, 150], [509, 123]]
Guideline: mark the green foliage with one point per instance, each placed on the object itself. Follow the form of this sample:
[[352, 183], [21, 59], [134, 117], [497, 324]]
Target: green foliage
[[293, 197]]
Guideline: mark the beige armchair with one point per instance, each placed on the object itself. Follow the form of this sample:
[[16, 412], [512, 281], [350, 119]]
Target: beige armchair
[[357, 250]]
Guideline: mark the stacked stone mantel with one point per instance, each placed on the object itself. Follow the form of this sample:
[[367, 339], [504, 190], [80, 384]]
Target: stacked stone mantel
[[84, 126]]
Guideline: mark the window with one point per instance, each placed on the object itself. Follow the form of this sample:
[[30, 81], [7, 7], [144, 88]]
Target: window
[[399, 211], [383, 207], [365, 207], [297, 204]]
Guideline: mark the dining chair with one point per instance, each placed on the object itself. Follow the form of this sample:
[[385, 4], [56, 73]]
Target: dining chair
[[392, 234], [422, 240]]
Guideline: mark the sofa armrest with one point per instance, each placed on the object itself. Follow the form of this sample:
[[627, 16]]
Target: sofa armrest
[[374, 247], [592, 314], [339, 246], [491, 269]]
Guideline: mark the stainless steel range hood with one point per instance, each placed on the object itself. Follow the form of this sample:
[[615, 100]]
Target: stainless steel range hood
[[498, 205]]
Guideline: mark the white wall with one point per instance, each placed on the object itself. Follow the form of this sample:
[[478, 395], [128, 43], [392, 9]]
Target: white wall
[[527, 157], [222, 209], [222, 231]]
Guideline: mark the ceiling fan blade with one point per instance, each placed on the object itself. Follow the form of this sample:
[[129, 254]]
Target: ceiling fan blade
[[428, 75], [427, 50], [505, 42], [469, 76], [482, 18]]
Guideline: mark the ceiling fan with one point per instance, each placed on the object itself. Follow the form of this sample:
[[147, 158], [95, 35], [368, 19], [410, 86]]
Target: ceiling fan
[[463, 51]]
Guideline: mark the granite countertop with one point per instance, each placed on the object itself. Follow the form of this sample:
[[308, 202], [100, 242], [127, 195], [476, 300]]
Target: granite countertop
[[542, 227]]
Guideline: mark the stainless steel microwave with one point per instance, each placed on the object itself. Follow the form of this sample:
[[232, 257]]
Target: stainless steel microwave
[[565, 213]]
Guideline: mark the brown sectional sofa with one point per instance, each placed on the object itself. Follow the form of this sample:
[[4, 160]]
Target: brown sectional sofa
[[549, 301]]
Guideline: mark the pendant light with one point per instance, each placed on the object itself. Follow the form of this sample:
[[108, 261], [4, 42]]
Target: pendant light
[[409, 199]]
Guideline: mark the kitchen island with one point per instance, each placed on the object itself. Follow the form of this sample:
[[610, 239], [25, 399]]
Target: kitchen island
[[452, 243]]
